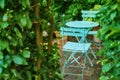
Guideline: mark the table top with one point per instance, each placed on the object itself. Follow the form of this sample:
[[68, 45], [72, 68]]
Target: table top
[[82, 24]]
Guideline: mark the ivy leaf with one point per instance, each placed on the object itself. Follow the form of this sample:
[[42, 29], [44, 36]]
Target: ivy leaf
[[1, 64], [19, 60], [1, 55], [28, 3], [14, 42], [106, 44], [110, 34], [29, 75], [29, 23], [114, 7], [5, 17], [118, 64], [2, 4], [8, 61], [18, 33], [23, 21], [15, 73], [1, 69], [91, 1], [118, 8], [113, 15], [4, 25], [104, 78], [3, 45], [106, 67], [20, 42], [44, 2], [26, 54], [115, 72], [24, 4]]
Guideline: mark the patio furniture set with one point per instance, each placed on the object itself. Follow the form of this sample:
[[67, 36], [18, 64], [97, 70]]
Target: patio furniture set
[[75, 51]]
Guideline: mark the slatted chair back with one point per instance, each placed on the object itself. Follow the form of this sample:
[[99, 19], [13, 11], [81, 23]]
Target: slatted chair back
[[86, 14], [74, 32], [89, 16], [68, 31]]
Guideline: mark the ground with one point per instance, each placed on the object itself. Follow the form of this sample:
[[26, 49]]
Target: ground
[[90, 73]]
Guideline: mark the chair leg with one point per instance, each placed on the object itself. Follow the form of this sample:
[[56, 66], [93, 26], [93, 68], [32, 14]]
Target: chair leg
[[82, 74], [90, 49], [72, 59], [68, 60], [76, 59], [63, 69], [66, 64], [93, 53], [86, 55]]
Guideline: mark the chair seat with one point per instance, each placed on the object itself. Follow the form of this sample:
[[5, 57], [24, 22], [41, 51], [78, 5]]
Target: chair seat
[[77, 47], [92, 32]]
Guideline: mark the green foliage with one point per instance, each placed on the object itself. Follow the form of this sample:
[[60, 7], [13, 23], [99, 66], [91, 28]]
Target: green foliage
[[71, 10], [109, 34], [18, 50], [50, 71], [2, 3]]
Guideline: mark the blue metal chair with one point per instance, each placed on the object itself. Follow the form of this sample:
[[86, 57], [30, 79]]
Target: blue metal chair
[[73, 51], [89, 15]]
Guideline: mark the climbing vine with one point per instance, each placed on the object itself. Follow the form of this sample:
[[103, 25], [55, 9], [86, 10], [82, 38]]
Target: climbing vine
[[109, 34], [23, 53]]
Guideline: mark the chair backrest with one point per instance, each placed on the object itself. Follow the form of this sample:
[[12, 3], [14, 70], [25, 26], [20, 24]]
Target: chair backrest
[[88, 14], [69, 31], [73, 32]]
